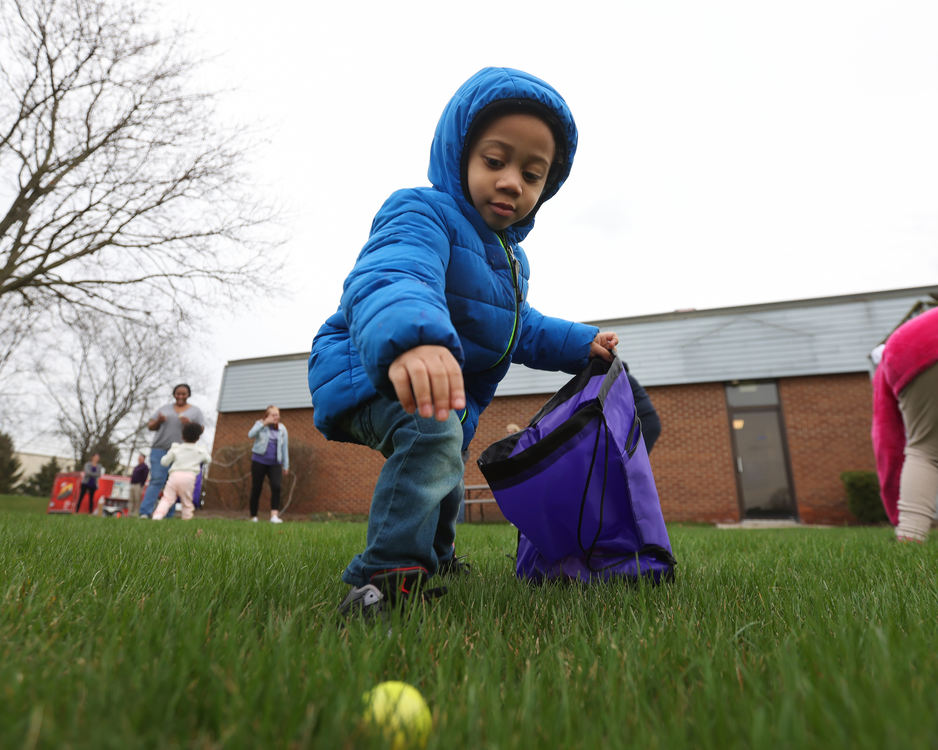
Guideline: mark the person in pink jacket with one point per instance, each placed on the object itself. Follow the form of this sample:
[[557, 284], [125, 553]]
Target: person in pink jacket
[[905, 426]]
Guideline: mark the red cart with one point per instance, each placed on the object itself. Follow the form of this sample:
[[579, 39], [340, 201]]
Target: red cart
[[111, 498]]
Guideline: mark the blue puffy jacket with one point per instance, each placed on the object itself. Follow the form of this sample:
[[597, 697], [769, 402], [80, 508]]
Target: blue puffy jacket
[[432, 272]]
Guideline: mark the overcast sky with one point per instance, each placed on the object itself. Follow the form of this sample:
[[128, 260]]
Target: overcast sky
[[730, 152]]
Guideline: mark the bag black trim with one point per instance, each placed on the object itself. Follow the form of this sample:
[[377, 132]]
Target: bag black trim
[[496, 462], [579, 382]]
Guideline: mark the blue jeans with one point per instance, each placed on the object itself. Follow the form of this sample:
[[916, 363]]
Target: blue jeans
[[413, 510], [158, 476], [461, 513]]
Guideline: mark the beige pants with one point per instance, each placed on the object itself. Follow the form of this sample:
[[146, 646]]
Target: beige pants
[[180, 484], [136, 491], [918, 484]]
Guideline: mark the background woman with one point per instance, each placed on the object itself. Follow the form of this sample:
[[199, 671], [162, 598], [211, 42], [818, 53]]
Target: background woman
[[89, 482], [270, 457]]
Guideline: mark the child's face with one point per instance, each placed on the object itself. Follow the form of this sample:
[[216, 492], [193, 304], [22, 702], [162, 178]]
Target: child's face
[[507, 168]]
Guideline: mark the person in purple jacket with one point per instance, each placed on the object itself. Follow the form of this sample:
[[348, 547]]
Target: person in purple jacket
[[270, 458], [91, 473], [432, 315]]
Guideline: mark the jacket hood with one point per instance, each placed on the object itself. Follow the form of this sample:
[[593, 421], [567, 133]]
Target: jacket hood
[[487, 89]]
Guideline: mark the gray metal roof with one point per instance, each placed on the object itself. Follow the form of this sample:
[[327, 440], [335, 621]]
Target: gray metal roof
[[253, 384], [779, 339]]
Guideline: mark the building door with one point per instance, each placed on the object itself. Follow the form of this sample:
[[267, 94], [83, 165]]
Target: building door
[[760, 453]]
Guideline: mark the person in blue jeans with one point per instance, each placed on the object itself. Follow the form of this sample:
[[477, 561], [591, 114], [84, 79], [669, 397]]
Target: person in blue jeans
[[432, 315], [167, 422]]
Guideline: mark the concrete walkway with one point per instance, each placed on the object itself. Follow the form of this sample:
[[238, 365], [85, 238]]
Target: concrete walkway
[[770, 523]]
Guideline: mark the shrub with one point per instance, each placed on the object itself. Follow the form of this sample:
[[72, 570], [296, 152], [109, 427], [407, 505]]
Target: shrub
[[10, 468], [863, 496], [228, 484], [229, 479], [40, 484]]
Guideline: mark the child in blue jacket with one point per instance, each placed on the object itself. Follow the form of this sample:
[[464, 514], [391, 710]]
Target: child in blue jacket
[[433, 313]]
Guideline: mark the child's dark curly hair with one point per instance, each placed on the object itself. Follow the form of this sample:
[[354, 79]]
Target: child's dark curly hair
[[191, 432]]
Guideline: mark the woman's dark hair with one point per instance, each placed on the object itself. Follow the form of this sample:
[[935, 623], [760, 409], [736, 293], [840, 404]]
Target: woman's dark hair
[[183, 385], [191, 431]]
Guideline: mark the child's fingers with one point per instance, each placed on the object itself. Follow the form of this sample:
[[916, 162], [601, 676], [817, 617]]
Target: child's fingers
[[448, 390], [428, 379], [607, 339], [457, 391], [400, 379], [598, 350], [439, 383], [421, 384], [604, 345], [411, 375]]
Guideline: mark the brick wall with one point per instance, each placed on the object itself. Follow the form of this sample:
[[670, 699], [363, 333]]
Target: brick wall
[[328, 476], [826, 420], [492, 426], [693, 458]]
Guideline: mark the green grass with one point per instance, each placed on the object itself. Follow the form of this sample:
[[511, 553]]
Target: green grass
[[23, 504], [222, 634]]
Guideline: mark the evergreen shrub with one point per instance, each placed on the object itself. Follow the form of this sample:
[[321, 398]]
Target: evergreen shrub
[[863, 496]]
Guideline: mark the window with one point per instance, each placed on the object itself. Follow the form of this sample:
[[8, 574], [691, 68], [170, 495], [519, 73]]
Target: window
[[751, 394]]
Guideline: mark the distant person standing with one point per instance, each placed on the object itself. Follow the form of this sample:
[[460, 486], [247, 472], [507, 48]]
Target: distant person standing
[[905, 426], [167, 423], [138, 478], [270, 458], [89, 482]]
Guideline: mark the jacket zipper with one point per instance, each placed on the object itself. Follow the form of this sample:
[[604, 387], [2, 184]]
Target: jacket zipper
[[513, 268]]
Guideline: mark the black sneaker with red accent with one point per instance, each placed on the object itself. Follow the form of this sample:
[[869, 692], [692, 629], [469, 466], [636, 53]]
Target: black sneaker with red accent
[[387, 590], [455, 566]]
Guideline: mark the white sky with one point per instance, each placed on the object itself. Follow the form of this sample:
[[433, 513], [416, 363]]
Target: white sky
[[730, 152]]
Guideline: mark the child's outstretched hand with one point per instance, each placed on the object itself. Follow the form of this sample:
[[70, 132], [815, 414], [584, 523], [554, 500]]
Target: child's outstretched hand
[[427, 378], [604, 345]]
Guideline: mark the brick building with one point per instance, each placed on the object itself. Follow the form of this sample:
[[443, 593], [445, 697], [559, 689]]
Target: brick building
[[762, 406]]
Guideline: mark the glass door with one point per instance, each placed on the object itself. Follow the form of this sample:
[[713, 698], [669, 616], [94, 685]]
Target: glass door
[[759, 452]]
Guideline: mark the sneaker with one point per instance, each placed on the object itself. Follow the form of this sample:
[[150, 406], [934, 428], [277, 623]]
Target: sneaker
[[253, 519], [388, 590], [276, 519], [366, 601], [455, 566]]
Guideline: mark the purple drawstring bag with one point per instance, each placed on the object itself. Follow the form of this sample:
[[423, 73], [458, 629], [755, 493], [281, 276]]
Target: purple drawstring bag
[[577, 484], [197, 488]]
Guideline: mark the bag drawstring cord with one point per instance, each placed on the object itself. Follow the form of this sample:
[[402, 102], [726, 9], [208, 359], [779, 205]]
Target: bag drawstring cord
[[602, 496]]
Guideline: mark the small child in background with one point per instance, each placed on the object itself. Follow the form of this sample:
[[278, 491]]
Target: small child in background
[[185, 461]]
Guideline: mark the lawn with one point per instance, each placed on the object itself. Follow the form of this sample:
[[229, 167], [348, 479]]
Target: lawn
[[120, 633]]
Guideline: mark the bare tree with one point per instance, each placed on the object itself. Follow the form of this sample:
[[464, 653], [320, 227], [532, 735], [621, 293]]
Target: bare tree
[[17, 324], [106, 383], [118, 192]]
